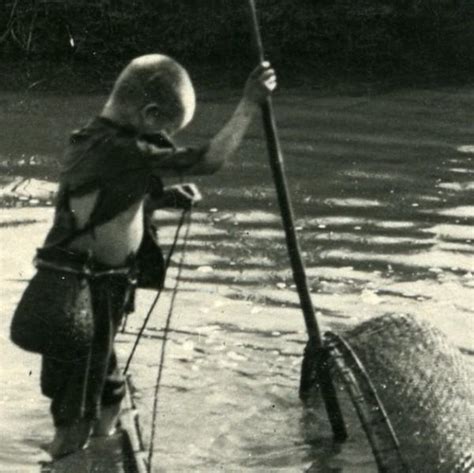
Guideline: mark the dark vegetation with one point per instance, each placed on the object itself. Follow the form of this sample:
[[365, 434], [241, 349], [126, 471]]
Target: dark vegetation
[[310, 41]]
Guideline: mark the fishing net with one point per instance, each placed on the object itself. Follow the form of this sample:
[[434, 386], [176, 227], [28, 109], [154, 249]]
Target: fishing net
[[412, 391]]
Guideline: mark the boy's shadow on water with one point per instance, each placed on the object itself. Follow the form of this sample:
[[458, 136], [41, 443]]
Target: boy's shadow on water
[[102, 455]]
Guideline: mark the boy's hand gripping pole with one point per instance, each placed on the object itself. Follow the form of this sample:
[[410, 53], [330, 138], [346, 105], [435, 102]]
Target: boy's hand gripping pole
[[315, 360]]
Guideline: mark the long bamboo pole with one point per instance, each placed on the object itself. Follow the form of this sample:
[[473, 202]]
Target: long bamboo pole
[[315, 353]]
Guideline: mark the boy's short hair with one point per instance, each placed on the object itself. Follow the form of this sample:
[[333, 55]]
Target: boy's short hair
[[156, 78]]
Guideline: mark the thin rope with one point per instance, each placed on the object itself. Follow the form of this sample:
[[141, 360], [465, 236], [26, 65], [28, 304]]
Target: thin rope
[[163, 345], [158, 294]]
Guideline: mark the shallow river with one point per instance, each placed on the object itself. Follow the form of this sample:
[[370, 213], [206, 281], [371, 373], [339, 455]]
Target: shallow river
[[382, 189]]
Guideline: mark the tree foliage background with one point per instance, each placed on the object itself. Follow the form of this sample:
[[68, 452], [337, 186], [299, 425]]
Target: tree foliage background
[[378, 38]]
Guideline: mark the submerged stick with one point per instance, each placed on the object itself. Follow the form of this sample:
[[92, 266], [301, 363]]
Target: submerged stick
[[315, 355]]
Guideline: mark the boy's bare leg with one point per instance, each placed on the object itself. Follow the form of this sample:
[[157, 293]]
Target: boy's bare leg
[[107, 423], [70, 439]]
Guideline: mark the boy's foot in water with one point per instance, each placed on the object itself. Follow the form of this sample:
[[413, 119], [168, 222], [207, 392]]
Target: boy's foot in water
[[107, 424], [70, 439]]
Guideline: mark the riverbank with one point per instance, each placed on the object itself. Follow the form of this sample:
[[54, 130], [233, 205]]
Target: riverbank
[[75, 77]]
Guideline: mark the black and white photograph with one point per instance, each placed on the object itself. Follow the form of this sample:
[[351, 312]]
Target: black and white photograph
[[237, 236]]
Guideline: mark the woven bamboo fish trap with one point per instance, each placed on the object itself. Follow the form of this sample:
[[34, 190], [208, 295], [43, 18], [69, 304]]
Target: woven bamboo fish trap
[[412, 391]]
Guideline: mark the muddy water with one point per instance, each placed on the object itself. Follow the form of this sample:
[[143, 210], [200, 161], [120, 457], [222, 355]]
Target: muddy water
[[382, 190]]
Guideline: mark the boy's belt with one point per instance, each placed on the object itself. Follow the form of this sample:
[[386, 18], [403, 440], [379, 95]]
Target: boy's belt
[[67, 261]]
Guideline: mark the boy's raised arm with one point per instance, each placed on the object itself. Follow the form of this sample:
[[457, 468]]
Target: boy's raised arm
[[207, 160], [260, 84]]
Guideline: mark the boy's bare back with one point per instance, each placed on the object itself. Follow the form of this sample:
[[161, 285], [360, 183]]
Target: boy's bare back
[[112, 242]]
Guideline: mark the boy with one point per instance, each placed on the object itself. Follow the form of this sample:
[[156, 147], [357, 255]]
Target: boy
[[112, 171]]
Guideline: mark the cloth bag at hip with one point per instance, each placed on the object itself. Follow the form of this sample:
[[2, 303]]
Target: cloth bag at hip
[[54, 316]]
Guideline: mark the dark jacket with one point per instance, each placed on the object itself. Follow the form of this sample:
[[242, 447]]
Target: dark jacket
[[119, 162]]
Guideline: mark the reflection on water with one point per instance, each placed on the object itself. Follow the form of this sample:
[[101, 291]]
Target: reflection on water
[[234, 387], [382, 190]]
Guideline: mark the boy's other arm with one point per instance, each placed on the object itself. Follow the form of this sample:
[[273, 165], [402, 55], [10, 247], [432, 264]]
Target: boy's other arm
[[228, 139], [260, 84], [207, 160]]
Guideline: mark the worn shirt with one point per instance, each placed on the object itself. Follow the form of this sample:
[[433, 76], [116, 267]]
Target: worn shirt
[[119, 163]]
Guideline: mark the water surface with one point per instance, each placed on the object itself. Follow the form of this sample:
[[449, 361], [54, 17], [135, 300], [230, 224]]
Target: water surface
[[382, 190]]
